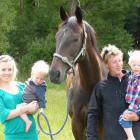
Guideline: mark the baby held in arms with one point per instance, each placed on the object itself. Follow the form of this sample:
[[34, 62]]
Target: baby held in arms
[[35, 89]]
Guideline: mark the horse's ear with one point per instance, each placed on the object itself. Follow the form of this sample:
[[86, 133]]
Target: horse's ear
[[63, 14], [78, 14]]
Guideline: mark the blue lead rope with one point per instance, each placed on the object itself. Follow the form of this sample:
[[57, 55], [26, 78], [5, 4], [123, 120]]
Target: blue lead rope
[[50, 133]]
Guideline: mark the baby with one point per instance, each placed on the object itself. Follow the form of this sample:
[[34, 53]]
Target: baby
[[35, 88], [133, 93]]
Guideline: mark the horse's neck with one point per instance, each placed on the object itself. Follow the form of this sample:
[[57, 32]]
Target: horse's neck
[[89, 69]]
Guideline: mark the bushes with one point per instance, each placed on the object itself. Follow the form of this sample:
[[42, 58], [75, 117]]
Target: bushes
[[30, 35], [38, 50]]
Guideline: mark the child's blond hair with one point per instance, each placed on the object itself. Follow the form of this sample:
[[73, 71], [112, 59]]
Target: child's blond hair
[[40, 66], [133, 56]]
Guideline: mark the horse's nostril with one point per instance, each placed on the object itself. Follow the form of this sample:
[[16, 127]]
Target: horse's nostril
[[54, 75], [57, 74]]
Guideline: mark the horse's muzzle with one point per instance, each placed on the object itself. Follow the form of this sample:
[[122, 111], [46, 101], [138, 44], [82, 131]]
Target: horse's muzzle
[[54, 76]]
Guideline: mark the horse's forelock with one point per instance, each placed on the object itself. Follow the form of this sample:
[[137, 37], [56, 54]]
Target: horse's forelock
[[72, 19]]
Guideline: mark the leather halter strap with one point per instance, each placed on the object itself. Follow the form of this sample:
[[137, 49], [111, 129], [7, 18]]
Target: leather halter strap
[[72, 63]]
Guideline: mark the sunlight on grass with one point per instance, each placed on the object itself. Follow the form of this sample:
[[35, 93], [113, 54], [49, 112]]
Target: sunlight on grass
[[55, 112]]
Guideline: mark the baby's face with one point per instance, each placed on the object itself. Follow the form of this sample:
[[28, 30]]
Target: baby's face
[[38, 78], [135, 67]]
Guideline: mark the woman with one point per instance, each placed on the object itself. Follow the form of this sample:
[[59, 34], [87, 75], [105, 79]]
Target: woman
[[11, 95]]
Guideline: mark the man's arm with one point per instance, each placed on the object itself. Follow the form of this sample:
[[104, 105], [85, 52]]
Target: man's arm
[[93, 116]]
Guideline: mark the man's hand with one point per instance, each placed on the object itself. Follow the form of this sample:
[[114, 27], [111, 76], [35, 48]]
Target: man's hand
[[130, 116]]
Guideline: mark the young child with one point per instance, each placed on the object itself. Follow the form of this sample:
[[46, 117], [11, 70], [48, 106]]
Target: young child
[[35, 88], [133, 93]]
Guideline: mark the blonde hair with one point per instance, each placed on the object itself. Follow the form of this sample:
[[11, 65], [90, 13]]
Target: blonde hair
[[40, 66], [8, 58], [133, 56], [109, 50]]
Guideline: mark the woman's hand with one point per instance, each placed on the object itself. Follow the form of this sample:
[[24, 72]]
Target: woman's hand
[[130, 116], [30, 108]]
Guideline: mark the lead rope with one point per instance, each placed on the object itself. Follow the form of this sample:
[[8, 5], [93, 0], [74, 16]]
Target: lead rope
[[50, 133]]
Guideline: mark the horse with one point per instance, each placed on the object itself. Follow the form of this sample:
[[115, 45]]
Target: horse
[[76, 51]]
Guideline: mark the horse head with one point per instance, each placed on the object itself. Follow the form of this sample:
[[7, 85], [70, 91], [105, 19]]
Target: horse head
[[70, 45]]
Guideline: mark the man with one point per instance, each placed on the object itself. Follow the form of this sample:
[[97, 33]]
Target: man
[[108, 100]]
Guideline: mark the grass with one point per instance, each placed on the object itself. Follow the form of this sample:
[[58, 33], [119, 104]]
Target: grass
[[56, 112]]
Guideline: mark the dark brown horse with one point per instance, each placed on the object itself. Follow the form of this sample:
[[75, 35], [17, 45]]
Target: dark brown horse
[[76, 46]]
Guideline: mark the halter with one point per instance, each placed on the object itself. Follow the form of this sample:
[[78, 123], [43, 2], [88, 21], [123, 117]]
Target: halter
[[72, 63]]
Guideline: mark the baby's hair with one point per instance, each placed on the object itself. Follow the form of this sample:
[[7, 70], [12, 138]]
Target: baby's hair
[[109, 50], [40, 66], [133, 56], [8, 58]]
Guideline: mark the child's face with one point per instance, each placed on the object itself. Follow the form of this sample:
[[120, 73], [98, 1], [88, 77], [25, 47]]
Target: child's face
[[135, 66], [38, 78]]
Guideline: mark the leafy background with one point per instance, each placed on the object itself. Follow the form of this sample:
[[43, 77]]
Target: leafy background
[[27, 30]]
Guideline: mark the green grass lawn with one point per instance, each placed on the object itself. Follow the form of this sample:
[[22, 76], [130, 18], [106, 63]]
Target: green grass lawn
[[56, 112]]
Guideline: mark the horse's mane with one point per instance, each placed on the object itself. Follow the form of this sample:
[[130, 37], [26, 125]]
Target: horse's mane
[[91, 32]]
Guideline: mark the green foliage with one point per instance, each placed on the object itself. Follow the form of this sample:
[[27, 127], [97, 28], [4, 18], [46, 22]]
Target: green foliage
[[33, 36], [36, 51], [7, 16], [107, 19], [132, 25], [28, 34]]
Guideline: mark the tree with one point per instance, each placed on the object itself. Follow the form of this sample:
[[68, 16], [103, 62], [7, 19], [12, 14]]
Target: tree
[[21, 5], [7, 15], [28, 27], [132, 25], [73, 6]]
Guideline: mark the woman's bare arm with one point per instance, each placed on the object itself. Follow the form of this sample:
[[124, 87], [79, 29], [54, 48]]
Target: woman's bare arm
[[29, 108]]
